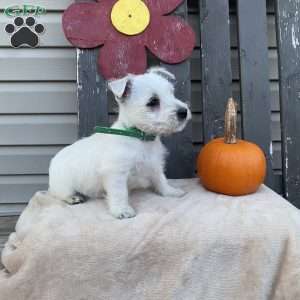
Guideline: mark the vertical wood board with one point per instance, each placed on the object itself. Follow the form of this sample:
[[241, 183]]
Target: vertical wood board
[[288, 29], [254, 77], [216, 65], [181, 160]]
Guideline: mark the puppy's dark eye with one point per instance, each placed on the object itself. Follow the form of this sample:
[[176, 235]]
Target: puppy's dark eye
[[154, 102]]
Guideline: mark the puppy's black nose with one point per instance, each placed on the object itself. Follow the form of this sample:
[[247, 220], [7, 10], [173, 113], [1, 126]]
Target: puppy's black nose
[[182, 113]]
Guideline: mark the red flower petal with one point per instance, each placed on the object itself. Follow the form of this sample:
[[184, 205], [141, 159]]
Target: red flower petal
[[87, 24], [171, 39], [120, 57], [162, 7]]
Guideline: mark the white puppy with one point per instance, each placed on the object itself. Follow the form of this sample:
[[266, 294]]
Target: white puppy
[[116, 164]]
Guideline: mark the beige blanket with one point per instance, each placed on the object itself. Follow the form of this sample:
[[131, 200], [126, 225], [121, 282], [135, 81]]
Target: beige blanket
[[203, 246]]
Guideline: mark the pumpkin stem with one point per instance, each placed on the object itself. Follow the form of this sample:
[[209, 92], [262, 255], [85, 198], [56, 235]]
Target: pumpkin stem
[[230, 122]]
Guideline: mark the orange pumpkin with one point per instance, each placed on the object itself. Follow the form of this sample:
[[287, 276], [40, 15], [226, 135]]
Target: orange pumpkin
[[231, 166]]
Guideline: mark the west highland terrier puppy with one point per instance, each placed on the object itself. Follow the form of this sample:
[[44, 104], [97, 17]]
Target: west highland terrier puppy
[[115, 162]]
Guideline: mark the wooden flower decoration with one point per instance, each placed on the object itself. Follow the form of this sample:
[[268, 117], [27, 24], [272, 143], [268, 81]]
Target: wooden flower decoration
[[126, 28]]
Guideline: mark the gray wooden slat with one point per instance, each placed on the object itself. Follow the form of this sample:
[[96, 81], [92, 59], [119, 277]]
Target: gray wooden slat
[[194, 8], [271, 29], [52, 37], [269, 5], [196, 65], [12, 209], [3, 240], [19, 189], [92, 91], [194, 22], [275, 125], [38, 129], [289, 54], [26, 160], [254, 77], [197, 103], [48, 4], [197, 128], [7, 224], [197, 125], [278, 187], [37, 98], [180, 145], [216, 64], [277, 159], [37, 64]]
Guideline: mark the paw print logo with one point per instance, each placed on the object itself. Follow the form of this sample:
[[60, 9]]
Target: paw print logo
[[24, 33]]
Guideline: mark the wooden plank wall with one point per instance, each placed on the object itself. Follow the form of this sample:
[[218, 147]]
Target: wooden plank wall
[[180, 145], [215, 66], [254, 78], [196, 84], [289, 53]]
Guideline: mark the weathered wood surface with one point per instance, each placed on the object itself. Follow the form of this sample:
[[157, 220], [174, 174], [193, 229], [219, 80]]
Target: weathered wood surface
[[3, 240], [92, 92], [196, 68], [181, 162], [254, 78], [289, 54], [193, 19], [193, 6], [216, 65], [7, 224]]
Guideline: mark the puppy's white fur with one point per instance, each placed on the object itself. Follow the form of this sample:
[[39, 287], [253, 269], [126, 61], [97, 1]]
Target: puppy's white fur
[[117, 164]]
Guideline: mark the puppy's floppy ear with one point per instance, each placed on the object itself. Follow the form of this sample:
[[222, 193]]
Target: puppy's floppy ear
[[121, 88], [163, 73]]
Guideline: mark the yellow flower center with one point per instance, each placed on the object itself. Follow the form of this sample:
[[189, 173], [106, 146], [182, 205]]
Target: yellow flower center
[[130, 17]]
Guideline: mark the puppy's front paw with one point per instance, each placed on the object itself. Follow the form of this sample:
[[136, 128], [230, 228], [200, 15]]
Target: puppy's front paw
[[122, 212], [173, 192]]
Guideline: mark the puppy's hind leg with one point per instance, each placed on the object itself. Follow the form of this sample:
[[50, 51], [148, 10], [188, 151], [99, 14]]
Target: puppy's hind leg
[[75, 199], [66, 194]]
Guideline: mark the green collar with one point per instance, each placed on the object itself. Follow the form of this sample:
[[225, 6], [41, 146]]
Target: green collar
[[131, 132]]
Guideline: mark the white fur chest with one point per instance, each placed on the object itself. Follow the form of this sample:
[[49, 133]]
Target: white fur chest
[[147, 157]]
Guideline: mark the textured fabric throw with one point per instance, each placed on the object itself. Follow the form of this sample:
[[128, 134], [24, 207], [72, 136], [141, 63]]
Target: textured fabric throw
[[200, 247]]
